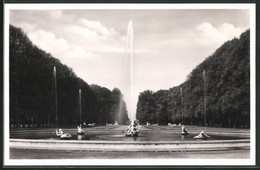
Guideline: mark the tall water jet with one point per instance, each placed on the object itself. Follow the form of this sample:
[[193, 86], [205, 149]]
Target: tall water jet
[[128, 77], [80, 131], [129, 53]]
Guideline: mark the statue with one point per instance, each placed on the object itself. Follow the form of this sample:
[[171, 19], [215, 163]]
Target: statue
[[132, 129], [80, 131], [202, 135], [184, 130]]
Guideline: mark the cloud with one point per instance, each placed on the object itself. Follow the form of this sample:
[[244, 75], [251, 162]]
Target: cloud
[[80, 33], [207, 34], [68, 35], [93, 36], [102, 31], [229, 29], [205, 29], [56, 14], [78, 52], [27, 27], [94, 25], [59, 47], [48, 41]]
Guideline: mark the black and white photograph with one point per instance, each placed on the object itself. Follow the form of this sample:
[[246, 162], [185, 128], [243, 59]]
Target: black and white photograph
[[129, 84]]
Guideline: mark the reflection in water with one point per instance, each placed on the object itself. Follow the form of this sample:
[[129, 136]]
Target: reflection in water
[[135, 137], [80, 137], [182, 137]]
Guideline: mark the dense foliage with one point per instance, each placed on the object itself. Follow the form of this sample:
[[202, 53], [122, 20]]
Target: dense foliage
[[32, 90], [227, 77]]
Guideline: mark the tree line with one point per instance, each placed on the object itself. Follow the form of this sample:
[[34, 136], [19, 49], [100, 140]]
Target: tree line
[[226, 86], [32, 90]]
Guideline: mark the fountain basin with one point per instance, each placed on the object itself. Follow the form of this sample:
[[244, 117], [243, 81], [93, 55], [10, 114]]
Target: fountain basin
[[117, 133], [130, 146], [154, 139]]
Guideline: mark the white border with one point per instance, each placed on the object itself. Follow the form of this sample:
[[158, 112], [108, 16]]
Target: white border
[[32, 162], [6, 88], [127, 6], [253, 83]]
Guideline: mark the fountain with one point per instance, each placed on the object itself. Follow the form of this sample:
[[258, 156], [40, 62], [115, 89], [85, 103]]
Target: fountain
[[127, 77], [112, 138], [59, 132], [80, 131], [129, 54], [132, 130]]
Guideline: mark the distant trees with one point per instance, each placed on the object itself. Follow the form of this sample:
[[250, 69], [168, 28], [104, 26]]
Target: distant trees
[[32, 98], [110, 105], [145, 106], [227, 89]]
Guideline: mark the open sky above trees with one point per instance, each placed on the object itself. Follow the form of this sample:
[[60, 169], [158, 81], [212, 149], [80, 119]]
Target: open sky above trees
[[168, 44]]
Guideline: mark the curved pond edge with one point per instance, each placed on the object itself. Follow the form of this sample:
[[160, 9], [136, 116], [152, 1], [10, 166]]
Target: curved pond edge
[[129, 146]]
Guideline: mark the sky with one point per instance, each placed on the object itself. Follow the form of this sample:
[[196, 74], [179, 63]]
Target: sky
[[167, 43]]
